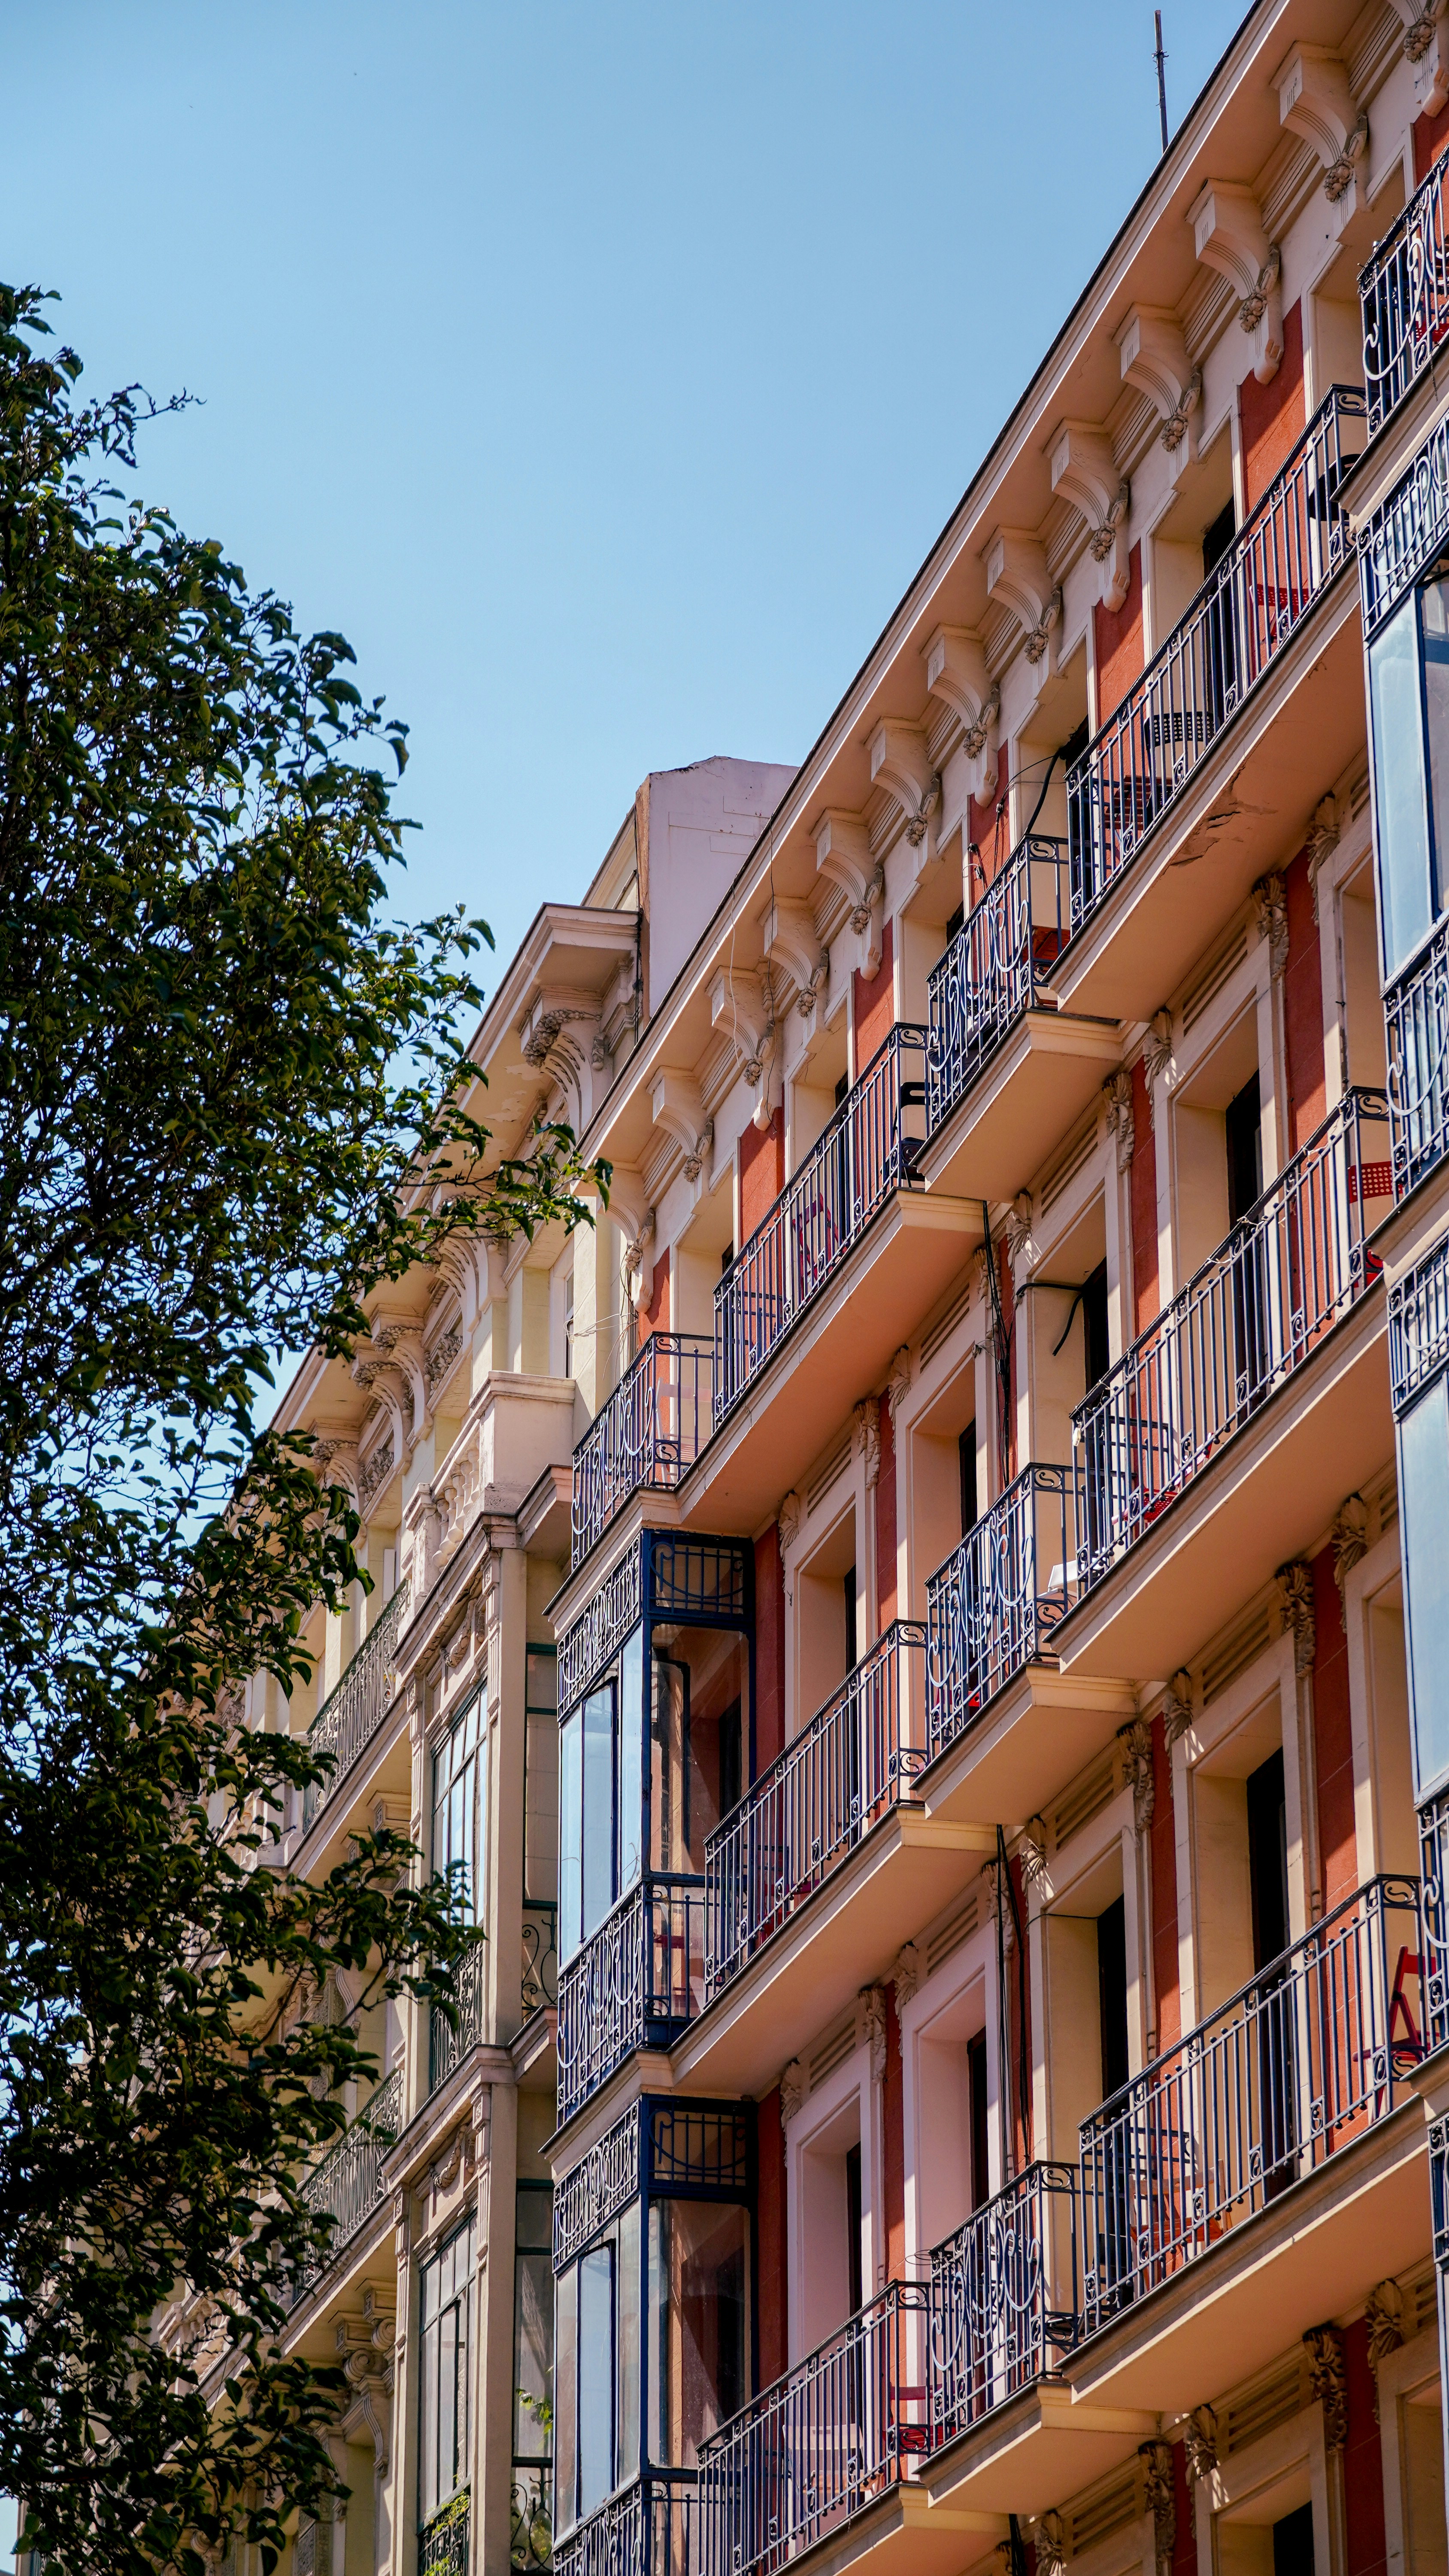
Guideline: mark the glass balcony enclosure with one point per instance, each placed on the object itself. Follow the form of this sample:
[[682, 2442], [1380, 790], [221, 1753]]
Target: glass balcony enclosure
[[655, 1746], [654, 2308]]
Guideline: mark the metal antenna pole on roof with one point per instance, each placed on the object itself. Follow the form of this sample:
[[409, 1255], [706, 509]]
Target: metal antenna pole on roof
[[1161, 77]]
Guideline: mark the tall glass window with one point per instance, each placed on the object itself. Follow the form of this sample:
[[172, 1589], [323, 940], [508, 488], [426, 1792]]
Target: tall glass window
[[445, 2328], [1424, 1509], [531, 2518], [458, 1838], [1409, 699], [597, 2321]]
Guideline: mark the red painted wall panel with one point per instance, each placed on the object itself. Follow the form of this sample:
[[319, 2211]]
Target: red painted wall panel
[[1272, 415], [1303, 1008]]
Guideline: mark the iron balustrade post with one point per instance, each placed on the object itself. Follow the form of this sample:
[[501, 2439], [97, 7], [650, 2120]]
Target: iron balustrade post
[[1290, 547], [1416, 1017], [647, 1434], [1004, 952], [1291, 1268], [1404, 299], [635, 1982], [991, 1608], [859, 1756], [450, 2041], [1003, 2298], [867, 1152], [1299, 2063]]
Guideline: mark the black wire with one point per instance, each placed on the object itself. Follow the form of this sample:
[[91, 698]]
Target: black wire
[[1041, 800]]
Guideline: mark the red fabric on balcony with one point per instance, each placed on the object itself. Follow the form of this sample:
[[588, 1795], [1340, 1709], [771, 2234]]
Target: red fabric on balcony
[[1118, 633], [1272, 416], [1163, 1857], [885, 1518], [1303, 1009], [1366, 2553], [1146, 1293], [769, 1649], [762, 1172], [1332, 1740], [875, 1005]]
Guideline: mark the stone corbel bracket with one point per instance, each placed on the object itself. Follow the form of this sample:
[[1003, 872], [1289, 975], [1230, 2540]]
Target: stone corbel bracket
[[679, 1110], [1085, 475], [1228, 235], [1426, 47], [1153, 355], [791, 940], [843, 855], [629, 1207], [900, 764], [1017, 577], [1314, 100], [381, 1364], [742, 1006], [956, 673]]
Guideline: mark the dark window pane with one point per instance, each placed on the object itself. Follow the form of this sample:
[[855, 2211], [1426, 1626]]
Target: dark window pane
[[598, 1806], [1424, 1505], [1401, 826], [1112, 1995], [570, 1834]]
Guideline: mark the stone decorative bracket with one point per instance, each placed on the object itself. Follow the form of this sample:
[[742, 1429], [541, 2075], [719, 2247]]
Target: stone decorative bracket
[[1021, 1243], [1295, 1595], [1328, 2381], [679, 1110], [1314, 100], [843, 854], [900, 763], [956, 673], [792, 2091], [1121, 1121], [1200, 2442], [1160, 2496], [1154, 358], [1228, 235], [907, 1973], [787, 1521], [1270, 903], [870, 2026], [1324, 834], [1017, 576], [743, 1005], [900, 1380], [867, 1434], [1136, 1741], [629, 1206], [1177, 1708], [791, 940], [1084, 472], [1158, 1061], [1425, 47], [1350, 1539]]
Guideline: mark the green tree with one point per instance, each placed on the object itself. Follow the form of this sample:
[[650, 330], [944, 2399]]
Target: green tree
[[231, 1103]]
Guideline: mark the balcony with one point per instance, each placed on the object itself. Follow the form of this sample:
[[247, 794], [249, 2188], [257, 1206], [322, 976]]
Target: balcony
[[350, 1716], [540, 1956], [347, 2185], [1434, 1861], [530, 2517], [1416, 1014], [863, 1157], [646, 1436], [992, 1607], [443, 2543], [830, 2438], [995, 968], [1404, 299], [1302, 2062], [648, 2530], [1254, 1315], [858, 1757], [1284, 556], [996, 2327], [635, 1983]]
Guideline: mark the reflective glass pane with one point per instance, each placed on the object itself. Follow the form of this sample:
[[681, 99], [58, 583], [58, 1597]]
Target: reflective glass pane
[[1434, 628], [1424, 1505], [570, 1835], [699, 1735], [596, 2377], [631, 1760], [598, 1806], [699, 2322], [565, 2428], [1401, 822]]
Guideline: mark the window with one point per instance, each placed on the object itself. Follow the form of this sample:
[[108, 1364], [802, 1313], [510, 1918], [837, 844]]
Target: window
[[596, 2428], [458, 1839], [532, 2509], [445, 2329], [1409, 702], [1424, 1510], [698, 2321]]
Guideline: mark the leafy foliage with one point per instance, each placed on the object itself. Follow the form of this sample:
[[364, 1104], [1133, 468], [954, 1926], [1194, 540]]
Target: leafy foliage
[[231, 1104]]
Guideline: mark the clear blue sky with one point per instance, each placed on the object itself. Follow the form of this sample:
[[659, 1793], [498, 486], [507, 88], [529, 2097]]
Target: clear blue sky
[[604, 374]]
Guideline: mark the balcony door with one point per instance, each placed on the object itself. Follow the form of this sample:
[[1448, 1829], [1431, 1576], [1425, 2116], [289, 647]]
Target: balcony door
[[1251, 1355], [1276, 2127]]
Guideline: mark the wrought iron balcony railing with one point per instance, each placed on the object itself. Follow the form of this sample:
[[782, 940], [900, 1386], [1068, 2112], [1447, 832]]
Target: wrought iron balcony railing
[[1403, 293], [648, 2530], [1434, 1862], [634, 1984], [649, 1433], [813, 2451], [350, 1716], [1296, 2066], [1003, 2298], [991, 1608], [347, 2184], [540, 1955], [1284, 555], [444, 2544], [864, 1156], [530, 2517], [856, 1759], [1292, 1266], [1416, 1013], [449, 2042], [1003, 953]]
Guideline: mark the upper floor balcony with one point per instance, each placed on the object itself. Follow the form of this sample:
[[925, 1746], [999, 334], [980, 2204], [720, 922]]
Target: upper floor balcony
[[1299, 2064], [350, 1716], [998, 965], [648, 1434], [1404, 299], [347, 2185], [992, 1607], [634, 1985], [1256, 1314], [1416, 1015], [1287, 550], [859, 1756], [869, 1151]]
